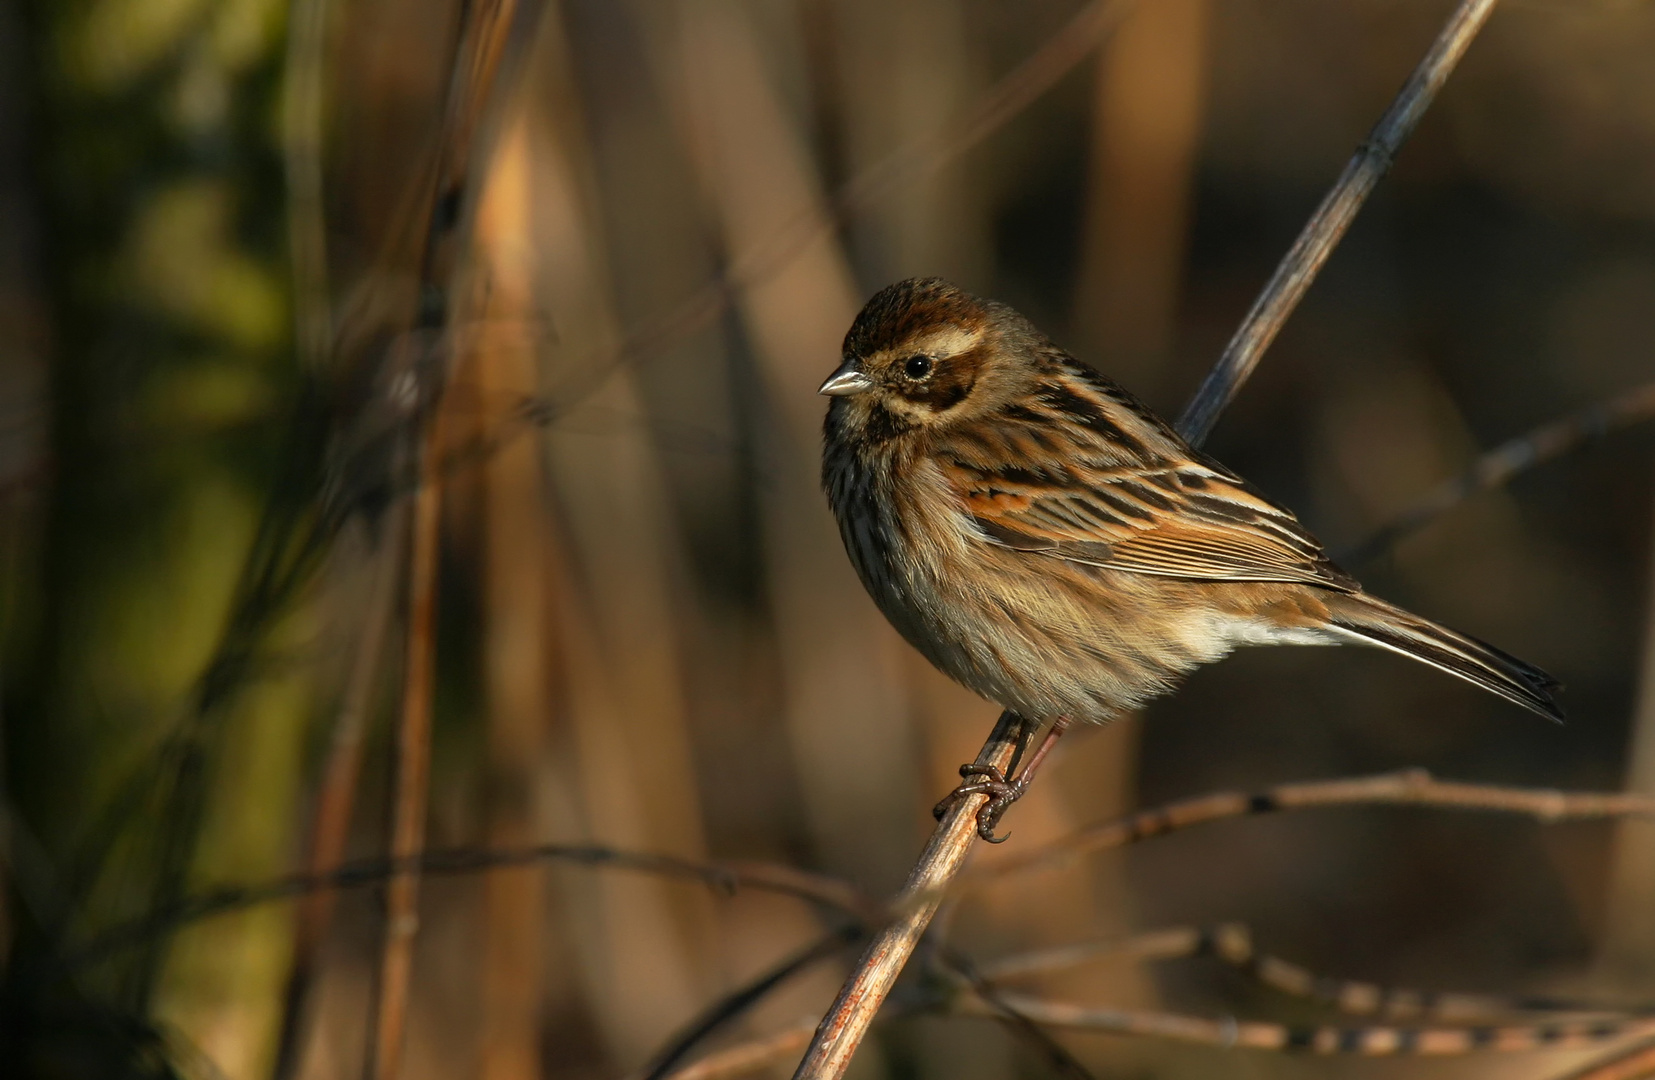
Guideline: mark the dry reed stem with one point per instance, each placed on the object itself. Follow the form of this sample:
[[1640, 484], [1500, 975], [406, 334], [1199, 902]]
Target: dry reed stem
[[413, 764], [842, 1029], [519, 646], [1409, 787], [336, 794], [1304, 260], [479, 52], [1548, 442], [1634, 1063]]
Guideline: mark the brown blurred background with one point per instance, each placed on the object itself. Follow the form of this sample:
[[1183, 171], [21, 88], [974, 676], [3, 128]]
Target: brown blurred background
[[648, 634]]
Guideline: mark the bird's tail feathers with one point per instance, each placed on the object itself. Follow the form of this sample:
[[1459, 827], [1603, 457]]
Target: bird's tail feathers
[[1374, 622]]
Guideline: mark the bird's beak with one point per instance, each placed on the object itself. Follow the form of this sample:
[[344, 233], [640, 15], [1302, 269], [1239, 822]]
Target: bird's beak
[[847, 380]]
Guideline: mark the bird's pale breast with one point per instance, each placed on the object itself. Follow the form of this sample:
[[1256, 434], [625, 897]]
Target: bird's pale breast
[[1040, 635]]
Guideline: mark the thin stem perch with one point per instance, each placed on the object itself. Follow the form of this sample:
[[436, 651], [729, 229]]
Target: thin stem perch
[[842, 1029], [1304, 260]]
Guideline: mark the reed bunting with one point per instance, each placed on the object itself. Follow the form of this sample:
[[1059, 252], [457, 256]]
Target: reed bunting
[[1047, 541]]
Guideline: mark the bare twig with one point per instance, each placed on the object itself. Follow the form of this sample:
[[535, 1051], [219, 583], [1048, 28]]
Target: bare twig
[[829, 893], [1233, 944], [1547, 442], [1174, 943], [842, 1029], [1231, 1033], [1410, 787], [749, 1057], [1021, 1026], [1317, 1039], [1304, 260]]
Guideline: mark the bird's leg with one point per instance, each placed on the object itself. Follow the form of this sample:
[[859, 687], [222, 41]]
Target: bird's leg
[[1001, 790]]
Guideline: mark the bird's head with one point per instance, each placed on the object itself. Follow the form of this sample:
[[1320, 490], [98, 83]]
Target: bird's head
[[923, 354]]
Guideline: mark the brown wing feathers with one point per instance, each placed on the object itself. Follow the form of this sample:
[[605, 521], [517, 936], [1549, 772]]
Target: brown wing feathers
[[1129, 495]]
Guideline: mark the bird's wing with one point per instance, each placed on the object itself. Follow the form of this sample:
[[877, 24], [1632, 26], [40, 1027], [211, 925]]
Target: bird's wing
[[1081, 470], [1183, 519]]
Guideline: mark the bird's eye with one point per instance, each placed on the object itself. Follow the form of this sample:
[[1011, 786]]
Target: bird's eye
[[917, 367]]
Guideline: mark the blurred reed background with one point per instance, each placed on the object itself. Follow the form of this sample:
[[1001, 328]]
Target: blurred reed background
[[213, 306]]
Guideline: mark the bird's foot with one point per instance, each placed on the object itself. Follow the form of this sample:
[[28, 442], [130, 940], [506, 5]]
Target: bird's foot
[[990, 781]]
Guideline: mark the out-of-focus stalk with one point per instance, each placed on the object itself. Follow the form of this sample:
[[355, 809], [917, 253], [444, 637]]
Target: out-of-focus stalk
[[1147, 119], [1627, 951], [336, 792], [640, 950], [484, 31], [412, 772], [519, 653], [846, 712], [307, 35]]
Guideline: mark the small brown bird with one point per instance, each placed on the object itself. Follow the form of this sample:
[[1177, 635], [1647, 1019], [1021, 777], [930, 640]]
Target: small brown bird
[[1047, 541]]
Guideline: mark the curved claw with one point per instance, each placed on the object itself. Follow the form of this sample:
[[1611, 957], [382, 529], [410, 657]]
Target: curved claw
[[1001, 794], [985, 829], [989, 816]]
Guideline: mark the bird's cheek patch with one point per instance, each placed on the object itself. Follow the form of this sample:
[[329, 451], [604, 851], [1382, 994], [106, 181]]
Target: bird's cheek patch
[[939, 393], [949, 385]]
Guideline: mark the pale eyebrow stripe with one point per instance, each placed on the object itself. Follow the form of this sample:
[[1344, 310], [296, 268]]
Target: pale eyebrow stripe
[[950, 342]]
